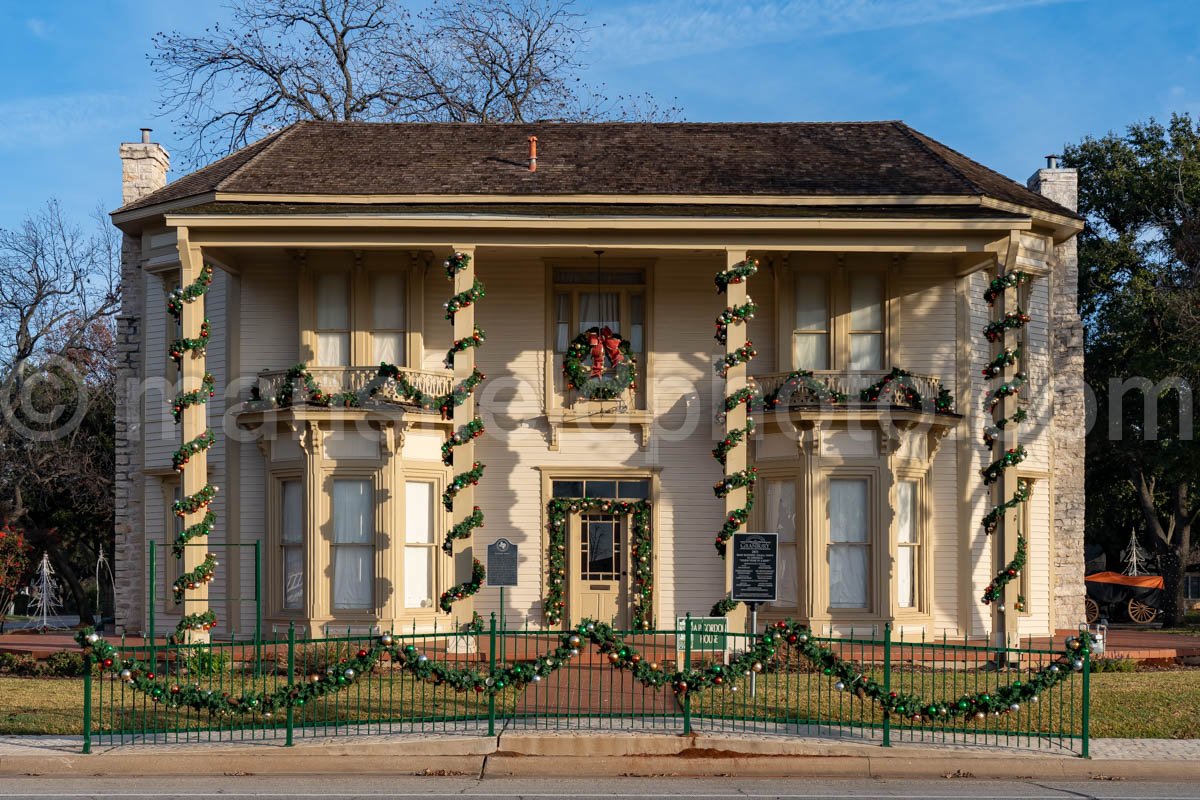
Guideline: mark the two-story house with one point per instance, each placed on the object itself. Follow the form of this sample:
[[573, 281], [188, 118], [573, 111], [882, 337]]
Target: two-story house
[[581, 262]]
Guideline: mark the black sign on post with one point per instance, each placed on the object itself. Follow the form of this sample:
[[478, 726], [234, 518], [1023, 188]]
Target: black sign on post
[[755, 567], [502, 563]]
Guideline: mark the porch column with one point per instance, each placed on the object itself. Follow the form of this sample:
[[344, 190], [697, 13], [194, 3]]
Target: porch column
[[1005, 614], [193, 423], [737, 459], [464, 454]]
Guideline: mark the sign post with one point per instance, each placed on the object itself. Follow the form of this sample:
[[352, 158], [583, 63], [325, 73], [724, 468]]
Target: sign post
[[755, 576], [501, 572]]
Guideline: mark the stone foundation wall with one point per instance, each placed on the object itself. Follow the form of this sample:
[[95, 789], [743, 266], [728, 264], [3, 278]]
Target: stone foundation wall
[[1068, 403]]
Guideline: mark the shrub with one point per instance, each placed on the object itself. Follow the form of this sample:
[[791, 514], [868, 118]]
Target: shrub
[[206, 661], [1114, 665], [14, 564], [64, 664], [19, 664]]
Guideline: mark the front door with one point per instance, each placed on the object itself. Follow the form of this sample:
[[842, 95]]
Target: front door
[[598, 569]]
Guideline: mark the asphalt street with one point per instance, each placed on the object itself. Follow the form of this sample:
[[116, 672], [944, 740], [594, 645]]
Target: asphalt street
[[355, 786]]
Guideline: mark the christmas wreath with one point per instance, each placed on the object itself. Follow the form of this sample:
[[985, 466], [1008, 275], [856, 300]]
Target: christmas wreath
[[599, 364]]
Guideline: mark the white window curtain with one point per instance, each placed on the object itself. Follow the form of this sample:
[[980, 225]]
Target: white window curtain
[[333, 319], [906, 544], [353, 544], [637, 323], [810, 336], [562, 317], [866, 322], [388, 298], [600, 309], [781, 518], [849, 550], [418, 538], [292, 537]]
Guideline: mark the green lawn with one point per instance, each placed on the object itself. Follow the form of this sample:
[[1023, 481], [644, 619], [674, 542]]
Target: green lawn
[[1154, 704]]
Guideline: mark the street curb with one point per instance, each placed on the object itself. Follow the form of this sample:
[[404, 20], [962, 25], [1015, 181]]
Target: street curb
[[532, 755]]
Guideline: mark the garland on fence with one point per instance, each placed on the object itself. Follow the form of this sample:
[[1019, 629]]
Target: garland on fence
[[942, 404], [312, 390], [599, 364], [764, 654], [202, 499], [641, 554], [1009, 356], [750, 396], [802, 379]]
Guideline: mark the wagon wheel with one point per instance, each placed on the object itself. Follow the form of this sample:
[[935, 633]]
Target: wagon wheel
[[1140, 612], [1091, 611]]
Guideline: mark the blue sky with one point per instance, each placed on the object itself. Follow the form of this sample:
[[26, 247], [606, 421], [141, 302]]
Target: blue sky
[[1005, 81]]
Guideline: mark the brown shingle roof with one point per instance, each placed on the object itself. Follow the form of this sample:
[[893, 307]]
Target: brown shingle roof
[[758, 159]]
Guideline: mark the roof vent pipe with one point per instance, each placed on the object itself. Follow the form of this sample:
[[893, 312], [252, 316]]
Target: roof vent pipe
[[1052, 161], [146, 135], [533, 154]]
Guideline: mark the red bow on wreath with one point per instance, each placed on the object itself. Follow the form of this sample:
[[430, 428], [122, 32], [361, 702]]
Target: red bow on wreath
[[602, 343]]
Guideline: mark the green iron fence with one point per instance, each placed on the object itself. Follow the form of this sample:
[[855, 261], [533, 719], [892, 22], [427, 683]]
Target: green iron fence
[[454, 683]]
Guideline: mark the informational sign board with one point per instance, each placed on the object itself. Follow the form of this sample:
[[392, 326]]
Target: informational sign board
[[501, 563], [708, 633], [755, 567]]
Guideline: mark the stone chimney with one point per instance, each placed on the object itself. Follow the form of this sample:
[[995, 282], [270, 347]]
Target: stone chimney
[[144, 168], [1068, 403]]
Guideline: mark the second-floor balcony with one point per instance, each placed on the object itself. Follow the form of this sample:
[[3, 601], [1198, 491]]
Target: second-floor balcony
[[825, 389], [342, 382]]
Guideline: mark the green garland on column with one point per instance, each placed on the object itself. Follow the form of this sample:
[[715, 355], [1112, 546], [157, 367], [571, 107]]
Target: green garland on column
[[641, 554], [201, 500], [1008, 356], [781, 643], [750, 396]]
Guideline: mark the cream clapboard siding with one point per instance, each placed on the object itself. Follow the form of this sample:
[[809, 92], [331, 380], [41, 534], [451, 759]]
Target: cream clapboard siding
[[513, 314], [927, 345], [269, 340], [685, 392]]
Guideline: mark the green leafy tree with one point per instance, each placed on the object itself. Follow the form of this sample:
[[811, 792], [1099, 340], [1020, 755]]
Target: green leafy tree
[[1140, 295]]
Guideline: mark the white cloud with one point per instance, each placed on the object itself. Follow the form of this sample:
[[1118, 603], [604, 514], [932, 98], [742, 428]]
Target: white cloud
[[658, 30], [38, 27]]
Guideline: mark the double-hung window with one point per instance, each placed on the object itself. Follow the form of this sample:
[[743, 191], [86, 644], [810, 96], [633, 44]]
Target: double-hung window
[[291, 542], [353, 544], [908, 544], [419, 544], [590, 298], [333, 319], [388, 317], [781, 519], [838, 320], [810, 332], [866, 321], [849, 543]]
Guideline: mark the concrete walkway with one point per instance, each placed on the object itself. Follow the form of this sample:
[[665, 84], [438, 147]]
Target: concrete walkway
[[542, 754]]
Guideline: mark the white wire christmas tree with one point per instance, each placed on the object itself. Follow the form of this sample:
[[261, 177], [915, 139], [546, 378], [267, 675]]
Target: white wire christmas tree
[[1137, 558], [46, 599]]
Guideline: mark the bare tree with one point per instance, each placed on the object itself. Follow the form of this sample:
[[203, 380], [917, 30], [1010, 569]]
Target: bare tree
[[58, 293], [457, 60]]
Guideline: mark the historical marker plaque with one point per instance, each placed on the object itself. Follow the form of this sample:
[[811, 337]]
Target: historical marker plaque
[[501, 563], [755, 567]]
